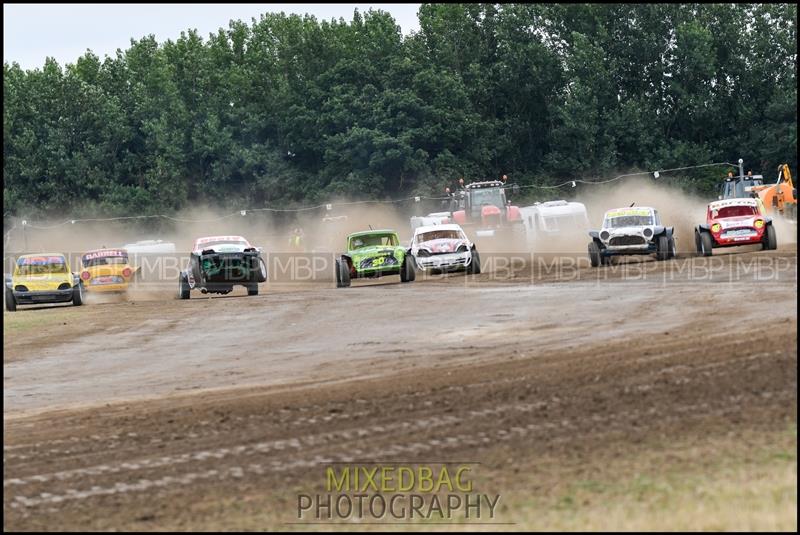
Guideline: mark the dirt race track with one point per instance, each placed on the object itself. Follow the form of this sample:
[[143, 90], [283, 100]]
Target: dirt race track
[[638, 396]]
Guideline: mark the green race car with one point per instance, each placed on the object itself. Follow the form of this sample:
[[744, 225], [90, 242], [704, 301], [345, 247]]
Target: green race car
[[372, 254]]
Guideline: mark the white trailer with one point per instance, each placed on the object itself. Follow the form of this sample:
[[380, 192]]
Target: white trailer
[[554, 219], [149, 247], [435, 218]]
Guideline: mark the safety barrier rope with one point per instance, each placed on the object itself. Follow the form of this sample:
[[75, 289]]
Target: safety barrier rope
[[657, 173], [328, 206]]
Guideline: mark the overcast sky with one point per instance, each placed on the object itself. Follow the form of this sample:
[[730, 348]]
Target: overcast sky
[[31, 32]]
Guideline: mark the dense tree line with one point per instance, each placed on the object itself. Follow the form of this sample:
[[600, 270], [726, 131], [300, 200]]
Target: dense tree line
[[293, 110]]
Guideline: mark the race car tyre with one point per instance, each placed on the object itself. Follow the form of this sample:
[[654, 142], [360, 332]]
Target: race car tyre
[[77, 295], [594, 254], [342, 274], [770, 239], [407, 272], [607, 260], [262, 270], [183, 288], [662, 248], [705, 244], [11, 303], [252, 289], [672, 249], [475, 265]]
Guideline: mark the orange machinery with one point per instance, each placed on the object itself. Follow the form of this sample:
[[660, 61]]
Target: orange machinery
[[780, 197]]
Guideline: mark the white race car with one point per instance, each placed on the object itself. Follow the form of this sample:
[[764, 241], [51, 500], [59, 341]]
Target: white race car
[[217, 263], [631, 231], [444, 247]]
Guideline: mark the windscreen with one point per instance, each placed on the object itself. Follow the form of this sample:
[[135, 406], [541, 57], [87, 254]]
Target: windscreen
[[105, 258], [493, 196], [373, 240], [439, 235], [41, 265], [628, 217], [734, 211]]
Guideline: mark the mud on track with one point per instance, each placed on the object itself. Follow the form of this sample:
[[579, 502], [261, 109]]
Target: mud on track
[[215, 412]]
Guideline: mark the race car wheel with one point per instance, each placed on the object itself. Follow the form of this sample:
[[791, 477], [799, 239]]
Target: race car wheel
[[77, 295], [262, 270], [705, 244], [252, 289], [183, 288], [672, 249], [662, 248], [770, 239], [607, 260], [342, 274], [11, 303], [594, 254], [407, 272], [475, 265]]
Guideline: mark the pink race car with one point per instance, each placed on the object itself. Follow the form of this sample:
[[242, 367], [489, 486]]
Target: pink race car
[[732, 222], [444, 248]]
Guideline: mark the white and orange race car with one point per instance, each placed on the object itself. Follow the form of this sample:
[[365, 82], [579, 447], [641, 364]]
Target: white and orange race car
[[732, 222]]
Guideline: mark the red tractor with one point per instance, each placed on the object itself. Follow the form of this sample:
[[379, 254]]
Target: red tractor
[[482, 208]]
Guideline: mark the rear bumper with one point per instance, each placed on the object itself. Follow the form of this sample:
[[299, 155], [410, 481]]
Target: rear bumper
[[43, 296], [231, 268], [106, 288]]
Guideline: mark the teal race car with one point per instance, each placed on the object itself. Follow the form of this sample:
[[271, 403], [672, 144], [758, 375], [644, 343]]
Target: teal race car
[[374, 253]]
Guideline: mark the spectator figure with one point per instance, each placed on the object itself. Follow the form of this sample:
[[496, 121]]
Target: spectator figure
[[296, 241]]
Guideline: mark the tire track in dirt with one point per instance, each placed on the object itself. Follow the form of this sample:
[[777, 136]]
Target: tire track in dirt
[[295, 445], [337, 437], [44, 449], [684, 361]]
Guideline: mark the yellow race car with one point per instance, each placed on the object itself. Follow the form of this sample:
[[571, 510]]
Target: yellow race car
[[106, 270], [42, 278]]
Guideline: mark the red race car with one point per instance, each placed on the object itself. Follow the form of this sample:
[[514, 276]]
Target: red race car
[[733, 222]]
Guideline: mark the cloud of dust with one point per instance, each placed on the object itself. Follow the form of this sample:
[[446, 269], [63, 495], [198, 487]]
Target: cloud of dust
[[677, 208], [786, 232], [323, 230], [327, 231]]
